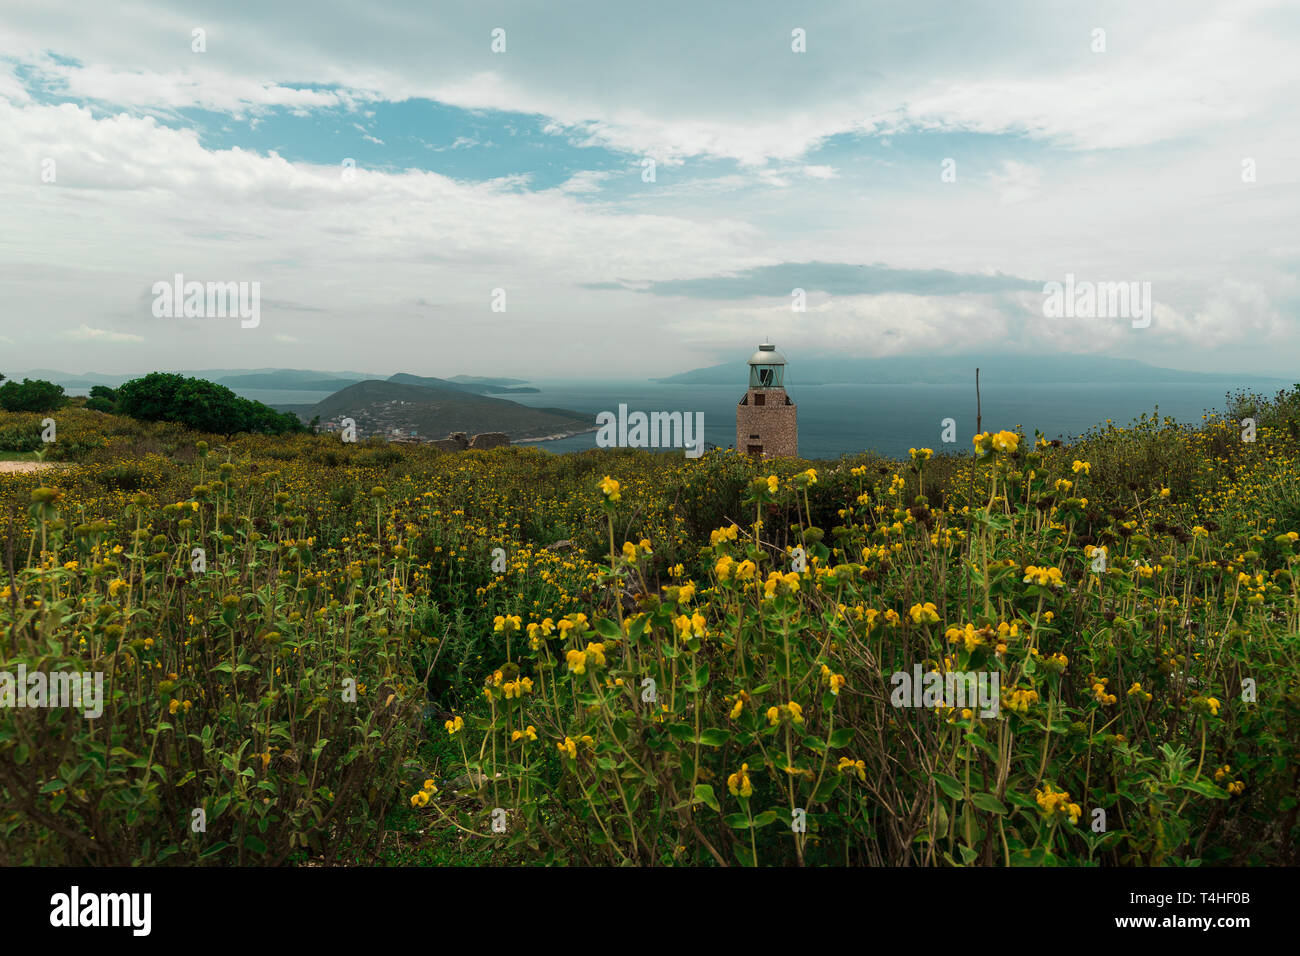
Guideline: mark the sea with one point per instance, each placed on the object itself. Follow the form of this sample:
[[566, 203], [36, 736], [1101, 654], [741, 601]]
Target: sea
[[836, 420]]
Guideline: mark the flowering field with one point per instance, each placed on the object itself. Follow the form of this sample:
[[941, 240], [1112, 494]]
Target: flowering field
[[1017, 654]]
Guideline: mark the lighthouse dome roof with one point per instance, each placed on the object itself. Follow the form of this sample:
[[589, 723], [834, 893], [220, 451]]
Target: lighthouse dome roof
[[767, 355]]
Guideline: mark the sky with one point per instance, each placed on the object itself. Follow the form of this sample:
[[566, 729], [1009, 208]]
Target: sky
[[596, 189]]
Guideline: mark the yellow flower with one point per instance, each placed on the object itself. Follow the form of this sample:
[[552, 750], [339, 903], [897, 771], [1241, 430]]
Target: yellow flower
[[721, 535], [925, 613], [116, 587], [741, 700], [773, 483], [738, 783], [609, 487], [1056, 803], [921, 454], [1007, 442], [454, 726], [853, 766], [579, 661], [777, 582], [1021, 700], [1046, 577], [569, 746], [1099, 691], [967, 636]]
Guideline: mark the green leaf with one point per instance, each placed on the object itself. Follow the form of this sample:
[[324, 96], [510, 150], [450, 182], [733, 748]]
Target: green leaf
[[255, 844], [826, 788], [737, 821], [986, 801], [841, 738], [1205, 789], [704, 795], [681, 731], [949, 785], [607, 628], [214, 849], [714, 737]]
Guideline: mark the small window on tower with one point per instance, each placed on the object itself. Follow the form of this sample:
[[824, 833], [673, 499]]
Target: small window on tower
[[760, 398]]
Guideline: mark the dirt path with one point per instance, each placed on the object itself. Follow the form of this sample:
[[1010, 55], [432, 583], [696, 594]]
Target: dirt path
[[21, 466]]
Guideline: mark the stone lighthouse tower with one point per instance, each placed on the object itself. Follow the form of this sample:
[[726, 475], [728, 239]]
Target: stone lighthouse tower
[[765, 418]]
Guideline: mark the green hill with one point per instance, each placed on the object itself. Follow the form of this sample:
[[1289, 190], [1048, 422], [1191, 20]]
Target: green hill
[[435, 411]]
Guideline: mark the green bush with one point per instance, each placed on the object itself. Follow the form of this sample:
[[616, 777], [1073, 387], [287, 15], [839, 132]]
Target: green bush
[[32, 395]]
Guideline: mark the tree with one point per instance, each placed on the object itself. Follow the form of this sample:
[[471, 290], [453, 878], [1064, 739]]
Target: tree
[[102, 399], [32, 395], [200, 404]]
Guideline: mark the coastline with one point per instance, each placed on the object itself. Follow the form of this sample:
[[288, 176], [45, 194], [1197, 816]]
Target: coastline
[[556, 437]]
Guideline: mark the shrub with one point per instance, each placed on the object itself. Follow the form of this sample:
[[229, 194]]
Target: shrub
[[32, 395]]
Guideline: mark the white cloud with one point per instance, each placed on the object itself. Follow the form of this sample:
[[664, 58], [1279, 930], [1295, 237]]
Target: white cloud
[[1123, 165], [1016, 181], [85, 333]]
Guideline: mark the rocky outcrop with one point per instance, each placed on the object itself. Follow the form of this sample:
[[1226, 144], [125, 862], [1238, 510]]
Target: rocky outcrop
[[459, 441], [490, 440]]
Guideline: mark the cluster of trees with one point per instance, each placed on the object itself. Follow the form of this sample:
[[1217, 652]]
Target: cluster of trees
[[161, 396], [31, 395], [199, 404]]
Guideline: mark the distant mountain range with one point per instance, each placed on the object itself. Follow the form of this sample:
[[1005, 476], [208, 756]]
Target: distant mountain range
[[462, 384], [286, 379], [957, 370], [233, 378]]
